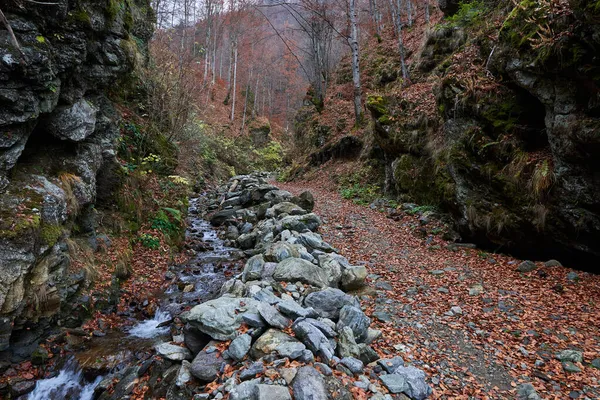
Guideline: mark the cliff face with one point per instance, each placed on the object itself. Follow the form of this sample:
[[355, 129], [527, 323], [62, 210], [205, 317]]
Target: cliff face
[[512, 148], [499, 126], [58, 131]]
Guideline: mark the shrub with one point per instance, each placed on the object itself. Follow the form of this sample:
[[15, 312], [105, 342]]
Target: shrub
[[149, 241]]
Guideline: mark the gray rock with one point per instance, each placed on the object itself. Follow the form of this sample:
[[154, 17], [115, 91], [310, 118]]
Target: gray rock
[[221, 318], [304, 200], [366, 354], [253, 320], [416, 387], [279, 342], [253, 268], [391, 364], [184, 375], [252, 370], [394, 383], [246, 240], [313, 338], [573, 276], [245, 390], [267, 296], [526, 266], [272, 392], [323, 368], [309, 385], [313, 241], [328, 302], [173, 352], [294, 310], [272, 316], [382, 316], [297, 269], [570, 355], [300, 223], [239, 347], [279, 251], [569, 366], [526, 391], [354, 365], [353, 277], [552, 263], [476, 290], [75, 122], [328, 330], [284, 207], [596, 363], [347, 346], [382, 285], [206, 366], [354, 318]]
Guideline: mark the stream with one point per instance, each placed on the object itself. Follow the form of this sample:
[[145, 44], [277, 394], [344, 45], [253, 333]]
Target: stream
[[196, 281]]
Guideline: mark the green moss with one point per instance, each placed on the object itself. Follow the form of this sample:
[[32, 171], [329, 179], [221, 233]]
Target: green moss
[[112, 9], [81, 16], [469, 13], [378, 107], [50, 233]]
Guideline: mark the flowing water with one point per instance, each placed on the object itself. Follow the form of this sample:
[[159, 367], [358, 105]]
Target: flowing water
[[196, 281]]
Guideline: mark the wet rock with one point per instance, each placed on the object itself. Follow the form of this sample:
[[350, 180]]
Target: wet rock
[[309, 385], [194, 339], [247, 240], [20, 388], [173, 352], [239, 347], [220, 318], [206, 366], [328, 302], [220, 217], [272, 392], [354, 318], [526, 266], [297, 269]]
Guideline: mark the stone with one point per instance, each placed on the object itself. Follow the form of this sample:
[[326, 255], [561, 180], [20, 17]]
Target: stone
[[326, 328], [206, 366], [274, 340], [75, 122], [245, 390], [288, 374], [220, 217], [476, 290], [297, 269], [300, 223], [285, 207], [372, 335], [526, 391], [252, 370], [328, 302], [313, 241], [573, 276], [354, 365], [294, 310], [382, 316], [596, 363], [394, 383], [239, 347], [313, 338], [173, 352], [456, 310], [416, 386], [273, 317], [354, 318], [272, 392], [184, 375], [552, 264], [382, 285], [526, 266], [309, 385], [391, 364], [347, 346], [366, 354], [253, 268], [266, 295], [569, 366], [279, 251], [221, 318], [353, 277], [570, 355], [436, 272], [304, 200]]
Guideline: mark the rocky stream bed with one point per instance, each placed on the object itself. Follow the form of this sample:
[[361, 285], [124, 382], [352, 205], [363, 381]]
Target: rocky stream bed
[[287, 325]]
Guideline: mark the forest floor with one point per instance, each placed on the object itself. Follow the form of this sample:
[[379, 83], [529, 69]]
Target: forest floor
[[477, 326]]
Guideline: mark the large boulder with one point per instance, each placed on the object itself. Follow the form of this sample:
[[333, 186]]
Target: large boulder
[[275, 341], [75, 122], [308, 384], [297, 269], [328, 302], [221, 318]]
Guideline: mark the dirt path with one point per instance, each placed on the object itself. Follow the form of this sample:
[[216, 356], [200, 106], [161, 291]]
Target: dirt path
[[504, 332]]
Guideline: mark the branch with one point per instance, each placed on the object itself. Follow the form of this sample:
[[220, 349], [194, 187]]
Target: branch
[[42, 3], [13, 38]]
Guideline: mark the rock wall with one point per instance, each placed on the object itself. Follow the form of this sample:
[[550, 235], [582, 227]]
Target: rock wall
[[511, 147], [58, 131]]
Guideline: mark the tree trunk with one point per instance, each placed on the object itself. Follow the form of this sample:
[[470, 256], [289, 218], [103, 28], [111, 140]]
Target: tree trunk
[[235, 56], [355, 62]]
